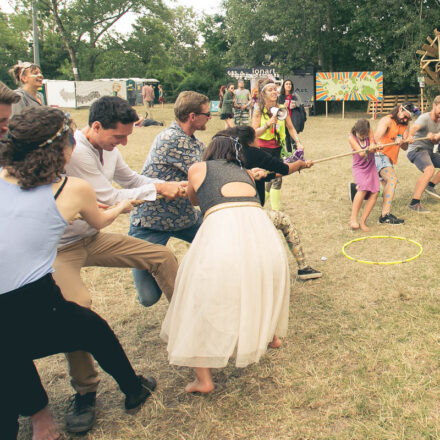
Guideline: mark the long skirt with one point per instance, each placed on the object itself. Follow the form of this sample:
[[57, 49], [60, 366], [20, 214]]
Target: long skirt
[[231, 294]]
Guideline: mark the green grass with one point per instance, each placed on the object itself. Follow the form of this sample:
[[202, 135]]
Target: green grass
[[362, 354]]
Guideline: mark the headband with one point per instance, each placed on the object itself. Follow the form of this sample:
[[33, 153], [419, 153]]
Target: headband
[[408, 111], [65, 127], [268, 84], [23, 67]]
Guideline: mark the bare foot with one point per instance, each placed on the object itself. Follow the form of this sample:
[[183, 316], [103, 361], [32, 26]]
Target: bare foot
[[203, 383], [364, 227], [43, 426], [199, 387], [276, 342], [354, 224]]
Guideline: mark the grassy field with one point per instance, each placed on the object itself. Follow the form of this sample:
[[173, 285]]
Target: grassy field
[[361, 359]]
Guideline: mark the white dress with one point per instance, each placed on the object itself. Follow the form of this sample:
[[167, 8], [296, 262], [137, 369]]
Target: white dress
[[232, 292]]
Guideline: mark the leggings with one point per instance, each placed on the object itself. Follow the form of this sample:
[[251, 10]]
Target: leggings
[[274, 183], [284, 223], [36, 321]]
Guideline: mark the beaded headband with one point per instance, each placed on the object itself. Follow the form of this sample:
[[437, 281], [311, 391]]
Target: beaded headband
[[65, 127]]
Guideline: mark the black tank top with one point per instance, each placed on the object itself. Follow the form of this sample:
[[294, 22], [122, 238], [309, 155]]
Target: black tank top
[[218, 174]]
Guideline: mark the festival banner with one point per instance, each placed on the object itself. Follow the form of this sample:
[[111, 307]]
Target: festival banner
[[349, 86]]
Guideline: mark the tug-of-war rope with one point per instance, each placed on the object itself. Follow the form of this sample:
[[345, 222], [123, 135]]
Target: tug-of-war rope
[[384, 263]]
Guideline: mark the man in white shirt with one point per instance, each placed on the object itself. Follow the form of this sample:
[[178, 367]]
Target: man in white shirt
[[97, 160]]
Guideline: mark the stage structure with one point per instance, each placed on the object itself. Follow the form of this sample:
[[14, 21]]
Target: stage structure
[[303, 80], [429, 64]]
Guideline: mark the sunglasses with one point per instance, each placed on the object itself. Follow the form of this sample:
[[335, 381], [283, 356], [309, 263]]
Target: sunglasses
[[208, 114]]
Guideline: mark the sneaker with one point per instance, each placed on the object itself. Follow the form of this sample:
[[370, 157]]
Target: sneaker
[[391, 219], [133, 400], [419, 208], [81, 414], [352, 191], [308, 274], [432, 192]]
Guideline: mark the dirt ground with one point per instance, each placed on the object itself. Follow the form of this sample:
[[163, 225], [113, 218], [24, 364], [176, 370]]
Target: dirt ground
[[362, 354]]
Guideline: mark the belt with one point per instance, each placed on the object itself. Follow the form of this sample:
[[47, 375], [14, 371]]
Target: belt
[[231, 205]]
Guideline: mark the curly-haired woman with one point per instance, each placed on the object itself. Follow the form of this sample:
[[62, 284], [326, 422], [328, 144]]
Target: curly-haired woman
[[37, 204]]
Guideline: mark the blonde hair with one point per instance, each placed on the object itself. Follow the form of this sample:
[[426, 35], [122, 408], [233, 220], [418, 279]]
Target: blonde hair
[[261, 84], [188, 102], [17, 71], [436, 100]]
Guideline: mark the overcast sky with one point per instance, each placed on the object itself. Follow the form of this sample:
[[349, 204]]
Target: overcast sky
[[124, 24], [207, 6]]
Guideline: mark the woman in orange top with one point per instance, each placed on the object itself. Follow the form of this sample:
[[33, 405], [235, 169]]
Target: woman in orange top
[[391, 128]]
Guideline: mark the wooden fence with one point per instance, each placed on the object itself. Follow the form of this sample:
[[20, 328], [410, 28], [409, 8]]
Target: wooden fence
[[390, 101]]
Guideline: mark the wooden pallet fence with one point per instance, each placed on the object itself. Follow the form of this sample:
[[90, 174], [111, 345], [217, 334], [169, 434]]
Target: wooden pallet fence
[[390, 101]]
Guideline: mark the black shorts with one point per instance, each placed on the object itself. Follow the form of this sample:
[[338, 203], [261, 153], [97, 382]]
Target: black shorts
[[224, 116]]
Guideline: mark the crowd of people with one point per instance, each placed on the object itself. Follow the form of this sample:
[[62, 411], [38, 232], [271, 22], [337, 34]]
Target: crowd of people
[[373, 166], [229, 298]]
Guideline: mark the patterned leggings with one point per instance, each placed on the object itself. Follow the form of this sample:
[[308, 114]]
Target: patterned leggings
[[274, 184], [284, 223]]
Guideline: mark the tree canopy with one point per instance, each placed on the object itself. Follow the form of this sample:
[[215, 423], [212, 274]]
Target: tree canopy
[[185, 50]]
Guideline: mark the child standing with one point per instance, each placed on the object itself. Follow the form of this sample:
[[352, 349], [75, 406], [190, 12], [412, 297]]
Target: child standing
[[364, 173]]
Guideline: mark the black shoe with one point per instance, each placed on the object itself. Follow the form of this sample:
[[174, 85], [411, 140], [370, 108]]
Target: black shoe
[[133, 400], [308, 274], [352, 191], [391, 219], [81, 414]]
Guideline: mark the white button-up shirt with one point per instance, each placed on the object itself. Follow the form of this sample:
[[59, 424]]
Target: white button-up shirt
[[86, 164]]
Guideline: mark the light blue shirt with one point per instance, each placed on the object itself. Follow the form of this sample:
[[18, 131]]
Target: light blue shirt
[[30, 227]]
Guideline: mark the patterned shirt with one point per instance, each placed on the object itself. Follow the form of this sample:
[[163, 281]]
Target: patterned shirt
[[170, 157]]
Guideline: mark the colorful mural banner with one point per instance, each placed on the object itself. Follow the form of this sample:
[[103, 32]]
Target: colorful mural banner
[[349, 86]]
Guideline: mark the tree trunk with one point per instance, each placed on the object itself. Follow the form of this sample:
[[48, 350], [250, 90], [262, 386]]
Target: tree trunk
[[65, 37]]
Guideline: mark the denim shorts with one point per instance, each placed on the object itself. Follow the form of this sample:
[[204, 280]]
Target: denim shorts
[[423, 158], [382, 161]]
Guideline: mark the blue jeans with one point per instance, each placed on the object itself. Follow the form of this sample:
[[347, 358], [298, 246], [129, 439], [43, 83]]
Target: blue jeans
[[146, 286]]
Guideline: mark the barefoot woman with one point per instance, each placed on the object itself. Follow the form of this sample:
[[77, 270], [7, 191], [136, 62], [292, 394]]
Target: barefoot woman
[[231, 296], [35, 320]]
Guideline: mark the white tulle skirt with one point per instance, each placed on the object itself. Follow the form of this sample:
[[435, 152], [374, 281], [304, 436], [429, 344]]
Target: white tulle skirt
[[231, 294]]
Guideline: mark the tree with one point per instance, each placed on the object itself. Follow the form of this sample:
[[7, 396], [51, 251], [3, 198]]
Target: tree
[[15, 34]]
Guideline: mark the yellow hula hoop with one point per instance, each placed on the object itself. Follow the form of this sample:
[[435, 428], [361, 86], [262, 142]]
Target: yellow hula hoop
[[382, 262]]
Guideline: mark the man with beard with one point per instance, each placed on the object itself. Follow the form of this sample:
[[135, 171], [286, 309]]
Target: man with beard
[[421, 154], [392, 128]]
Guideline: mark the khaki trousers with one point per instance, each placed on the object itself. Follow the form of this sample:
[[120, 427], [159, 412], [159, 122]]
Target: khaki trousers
[[107, 250]]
